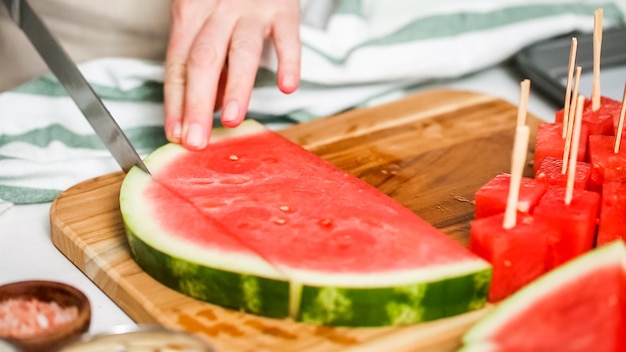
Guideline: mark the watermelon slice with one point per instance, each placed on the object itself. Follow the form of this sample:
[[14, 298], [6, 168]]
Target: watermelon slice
[[257, 223], [578, 307], [491, 198]]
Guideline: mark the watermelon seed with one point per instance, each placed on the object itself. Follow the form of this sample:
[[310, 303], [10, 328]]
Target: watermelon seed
[[507, 263], [284, 208], [233, 157], [280, 221]]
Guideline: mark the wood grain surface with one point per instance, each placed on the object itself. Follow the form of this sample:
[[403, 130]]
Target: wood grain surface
[[430, 151]]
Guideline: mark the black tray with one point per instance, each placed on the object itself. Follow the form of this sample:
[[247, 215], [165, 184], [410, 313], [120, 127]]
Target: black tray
[[546, 64]]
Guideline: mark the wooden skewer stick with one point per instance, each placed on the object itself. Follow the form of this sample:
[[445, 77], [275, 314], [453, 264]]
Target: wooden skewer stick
[[523, 102], [518, 161], [567, 150], [518, 157], [568, 88], [620, 125], [569, 189], [597, 49]]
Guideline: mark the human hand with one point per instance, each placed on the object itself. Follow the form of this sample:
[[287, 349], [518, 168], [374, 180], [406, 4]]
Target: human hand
[[212, 60]]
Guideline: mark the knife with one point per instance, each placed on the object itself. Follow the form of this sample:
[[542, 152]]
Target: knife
[[75, 84]]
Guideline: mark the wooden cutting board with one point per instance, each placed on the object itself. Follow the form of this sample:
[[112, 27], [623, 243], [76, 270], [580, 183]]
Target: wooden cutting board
[[430, 151]]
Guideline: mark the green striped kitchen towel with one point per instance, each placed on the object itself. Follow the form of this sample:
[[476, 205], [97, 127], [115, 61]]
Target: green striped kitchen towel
[[353, 52]]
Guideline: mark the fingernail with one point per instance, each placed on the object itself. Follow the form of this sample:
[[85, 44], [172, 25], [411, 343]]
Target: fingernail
[[195, 136], [289, 81], [176, 131], [231, 112]]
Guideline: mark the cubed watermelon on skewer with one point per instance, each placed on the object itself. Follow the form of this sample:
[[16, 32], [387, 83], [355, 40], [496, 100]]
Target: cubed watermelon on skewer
[[491, 198], [550, 172], [612, 224], [550, 142], [518, 254], [575, 223], [601, 157], [601, 121]]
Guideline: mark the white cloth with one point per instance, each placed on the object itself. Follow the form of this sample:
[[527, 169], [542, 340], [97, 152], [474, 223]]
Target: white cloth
[[354, 52]]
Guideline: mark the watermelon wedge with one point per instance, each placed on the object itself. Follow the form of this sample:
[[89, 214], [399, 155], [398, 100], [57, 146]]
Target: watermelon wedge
[[578, 307], [257, 223]]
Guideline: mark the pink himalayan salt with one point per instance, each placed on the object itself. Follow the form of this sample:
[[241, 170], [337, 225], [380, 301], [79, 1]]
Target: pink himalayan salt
[[21, 317]]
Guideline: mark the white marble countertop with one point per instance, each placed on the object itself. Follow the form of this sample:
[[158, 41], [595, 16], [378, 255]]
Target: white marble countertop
[[26, 251]]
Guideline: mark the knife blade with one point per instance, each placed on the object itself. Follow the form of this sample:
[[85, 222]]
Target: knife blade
[[75, 84]]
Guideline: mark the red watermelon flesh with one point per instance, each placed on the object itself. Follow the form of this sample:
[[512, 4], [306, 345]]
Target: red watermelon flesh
[[550, 172], [193, 229], [601, 157], [578, 307], [575, 223], [491, 198], [549, 142], [321, 218], [600, 122], [517, 255], [612, 224]]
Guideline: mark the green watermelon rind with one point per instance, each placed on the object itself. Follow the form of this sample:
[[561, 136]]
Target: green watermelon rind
[[336, 306], [245, 281], [254, 294], [398, 305], [604, 256]]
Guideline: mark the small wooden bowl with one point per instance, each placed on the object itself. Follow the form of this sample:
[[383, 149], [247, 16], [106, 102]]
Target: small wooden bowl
[[49, 291]]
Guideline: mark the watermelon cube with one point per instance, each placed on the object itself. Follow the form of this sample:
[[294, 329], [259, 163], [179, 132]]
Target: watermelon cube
[[517, 255], [602, 157], [550, 142], [575, 223], [550, 172], [602, 121], [613, 207], [491, 198]]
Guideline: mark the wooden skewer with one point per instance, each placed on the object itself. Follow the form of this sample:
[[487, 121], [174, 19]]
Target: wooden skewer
[[523, 102], [569, 189], [518, 157], [620, 125], [597, 49], [518, 161], [568, 88], [567, 150]]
